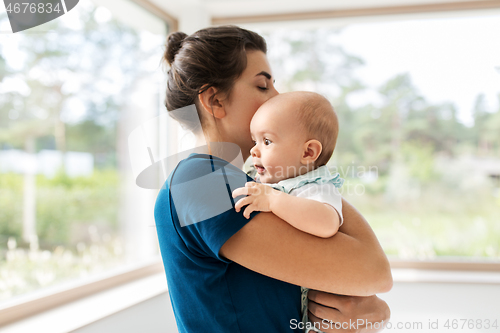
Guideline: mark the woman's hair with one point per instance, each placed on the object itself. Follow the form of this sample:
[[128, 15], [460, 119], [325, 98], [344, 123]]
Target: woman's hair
[[211, 57]]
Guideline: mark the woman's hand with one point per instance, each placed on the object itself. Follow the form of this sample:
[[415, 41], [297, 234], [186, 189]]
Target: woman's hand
[[259, 197], [351, 313]]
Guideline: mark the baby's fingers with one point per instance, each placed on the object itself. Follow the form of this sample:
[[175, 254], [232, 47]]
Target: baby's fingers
[[240, 191], [249, 210], [243, 202]]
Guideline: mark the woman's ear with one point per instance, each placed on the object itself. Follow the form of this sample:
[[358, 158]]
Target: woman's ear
[[312, 150], [212, 103]]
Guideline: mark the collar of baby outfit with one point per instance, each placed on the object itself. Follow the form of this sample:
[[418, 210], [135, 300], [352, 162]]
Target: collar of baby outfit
[[320, 175]]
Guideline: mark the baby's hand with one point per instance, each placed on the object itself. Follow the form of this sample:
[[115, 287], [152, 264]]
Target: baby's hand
[[259, 198]]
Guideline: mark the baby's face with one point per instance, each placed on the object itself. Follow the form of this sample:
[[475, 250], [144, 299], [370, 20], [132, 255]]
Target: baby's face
[[279, 141]]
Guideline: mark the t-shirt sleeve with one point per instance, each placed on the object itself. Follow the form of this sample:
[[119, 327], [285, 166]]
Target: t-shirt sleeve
[[201, 194], [326, 193]]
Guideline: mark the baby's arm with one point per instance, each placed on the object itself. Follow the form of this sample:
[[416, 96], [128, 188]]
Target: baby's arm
[[311, 216]]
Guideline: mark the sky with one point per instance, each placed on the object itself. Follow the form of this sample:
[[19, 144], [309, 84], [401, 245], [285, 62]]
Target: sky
[[451, 59]]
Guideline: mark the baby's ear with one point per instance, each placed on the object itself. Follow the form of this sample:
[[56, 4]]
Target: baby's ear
[[312, 150]]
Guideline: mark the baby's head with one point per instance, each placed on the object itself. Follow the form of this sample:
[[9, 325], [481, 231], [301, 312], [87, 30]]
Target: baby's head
[[293, 133]]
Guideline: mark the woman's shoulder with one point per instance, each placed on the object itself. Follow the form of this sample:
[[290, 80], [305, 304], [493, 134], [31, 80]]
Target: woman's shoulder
[[194, 163], [203, 183], [198, 203], [196, 166]]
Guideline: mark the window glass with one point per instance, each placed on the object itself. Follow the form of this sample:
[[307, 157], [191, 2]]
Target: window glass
[[70, 92], [419, 142]]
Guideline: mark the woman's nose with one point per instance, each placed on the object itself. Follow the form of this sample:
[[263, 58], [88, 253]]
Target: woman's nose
[[274, 92]]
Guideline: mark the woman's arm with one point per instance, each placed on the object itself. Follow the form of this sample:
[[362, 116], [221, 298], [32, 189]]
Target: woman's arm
[[349, 263]]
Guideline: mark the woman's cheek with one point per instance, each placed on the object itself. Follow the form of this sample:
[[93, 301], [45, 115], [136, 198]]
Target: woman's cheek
[[259, 102]]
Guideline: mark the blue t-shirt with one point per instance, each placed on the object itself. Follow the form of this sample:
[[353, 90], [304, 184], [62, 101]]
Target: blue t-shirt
[[195, 216]]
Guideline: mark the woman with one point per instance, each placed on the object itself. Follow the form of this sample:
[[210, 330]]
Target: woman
[[229, 274]]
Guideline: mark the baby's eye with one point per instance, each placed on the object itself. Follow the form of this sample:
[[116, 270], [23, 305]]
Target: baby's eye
[[267, 142], [254, 142], [263, 88]]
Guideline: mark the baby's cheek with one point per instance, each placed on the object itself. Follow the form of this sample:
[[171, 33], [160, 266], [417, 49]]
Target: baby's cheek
[[275, 173]]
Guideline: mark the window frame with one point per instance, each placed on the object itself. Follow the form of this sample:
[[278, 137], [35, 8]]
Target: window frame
[[443, 264], [29, 306]]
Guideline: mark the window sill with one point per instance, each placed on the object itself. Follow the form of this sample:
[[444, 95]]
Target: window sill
[[445, 271], [27, 308], [447, 264], [87, 310], [436, 276]]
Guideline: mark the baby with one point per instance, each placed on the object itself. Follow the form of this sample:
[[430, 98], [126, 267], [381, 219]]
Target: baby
[[295, 135]]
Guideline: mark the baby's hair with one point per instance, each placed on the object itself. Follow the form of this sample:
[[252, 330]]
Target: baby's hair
[[320, 122]]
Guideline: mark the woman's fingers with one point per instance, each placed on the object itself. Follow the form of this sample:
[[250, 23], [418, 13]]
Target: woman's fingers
[[329, 299], [324, 312], [322, 324], [345, 310]]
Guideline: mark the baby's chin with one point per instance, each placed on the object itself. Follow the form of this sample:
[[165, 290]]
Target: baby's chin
[[263, 178], [266, 178]]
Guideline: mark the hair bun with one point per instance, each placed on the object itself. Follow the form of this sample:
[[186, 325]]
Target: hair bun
[[174, 43]]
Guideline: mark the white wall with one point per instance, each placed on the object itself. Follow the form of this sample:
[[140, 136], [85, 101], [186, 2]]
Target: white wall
[[431, 302], [152, 316]]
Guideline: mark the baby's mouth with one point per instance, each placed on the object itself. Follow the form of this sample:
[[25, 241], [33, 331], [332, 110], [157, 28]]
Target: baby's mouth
[[260, 169]]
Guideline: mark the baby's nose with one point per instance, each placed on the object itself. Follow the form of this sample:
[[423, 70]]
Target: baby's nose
[[254, 151]]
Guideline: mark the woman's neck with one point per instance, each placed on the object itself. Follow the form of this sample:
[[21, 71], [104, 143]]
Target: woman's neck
[[226, 150]]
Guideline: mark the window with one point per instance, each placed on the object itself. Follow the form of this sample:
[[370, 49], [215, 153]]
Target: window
[[71, 90], [419, 142]]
